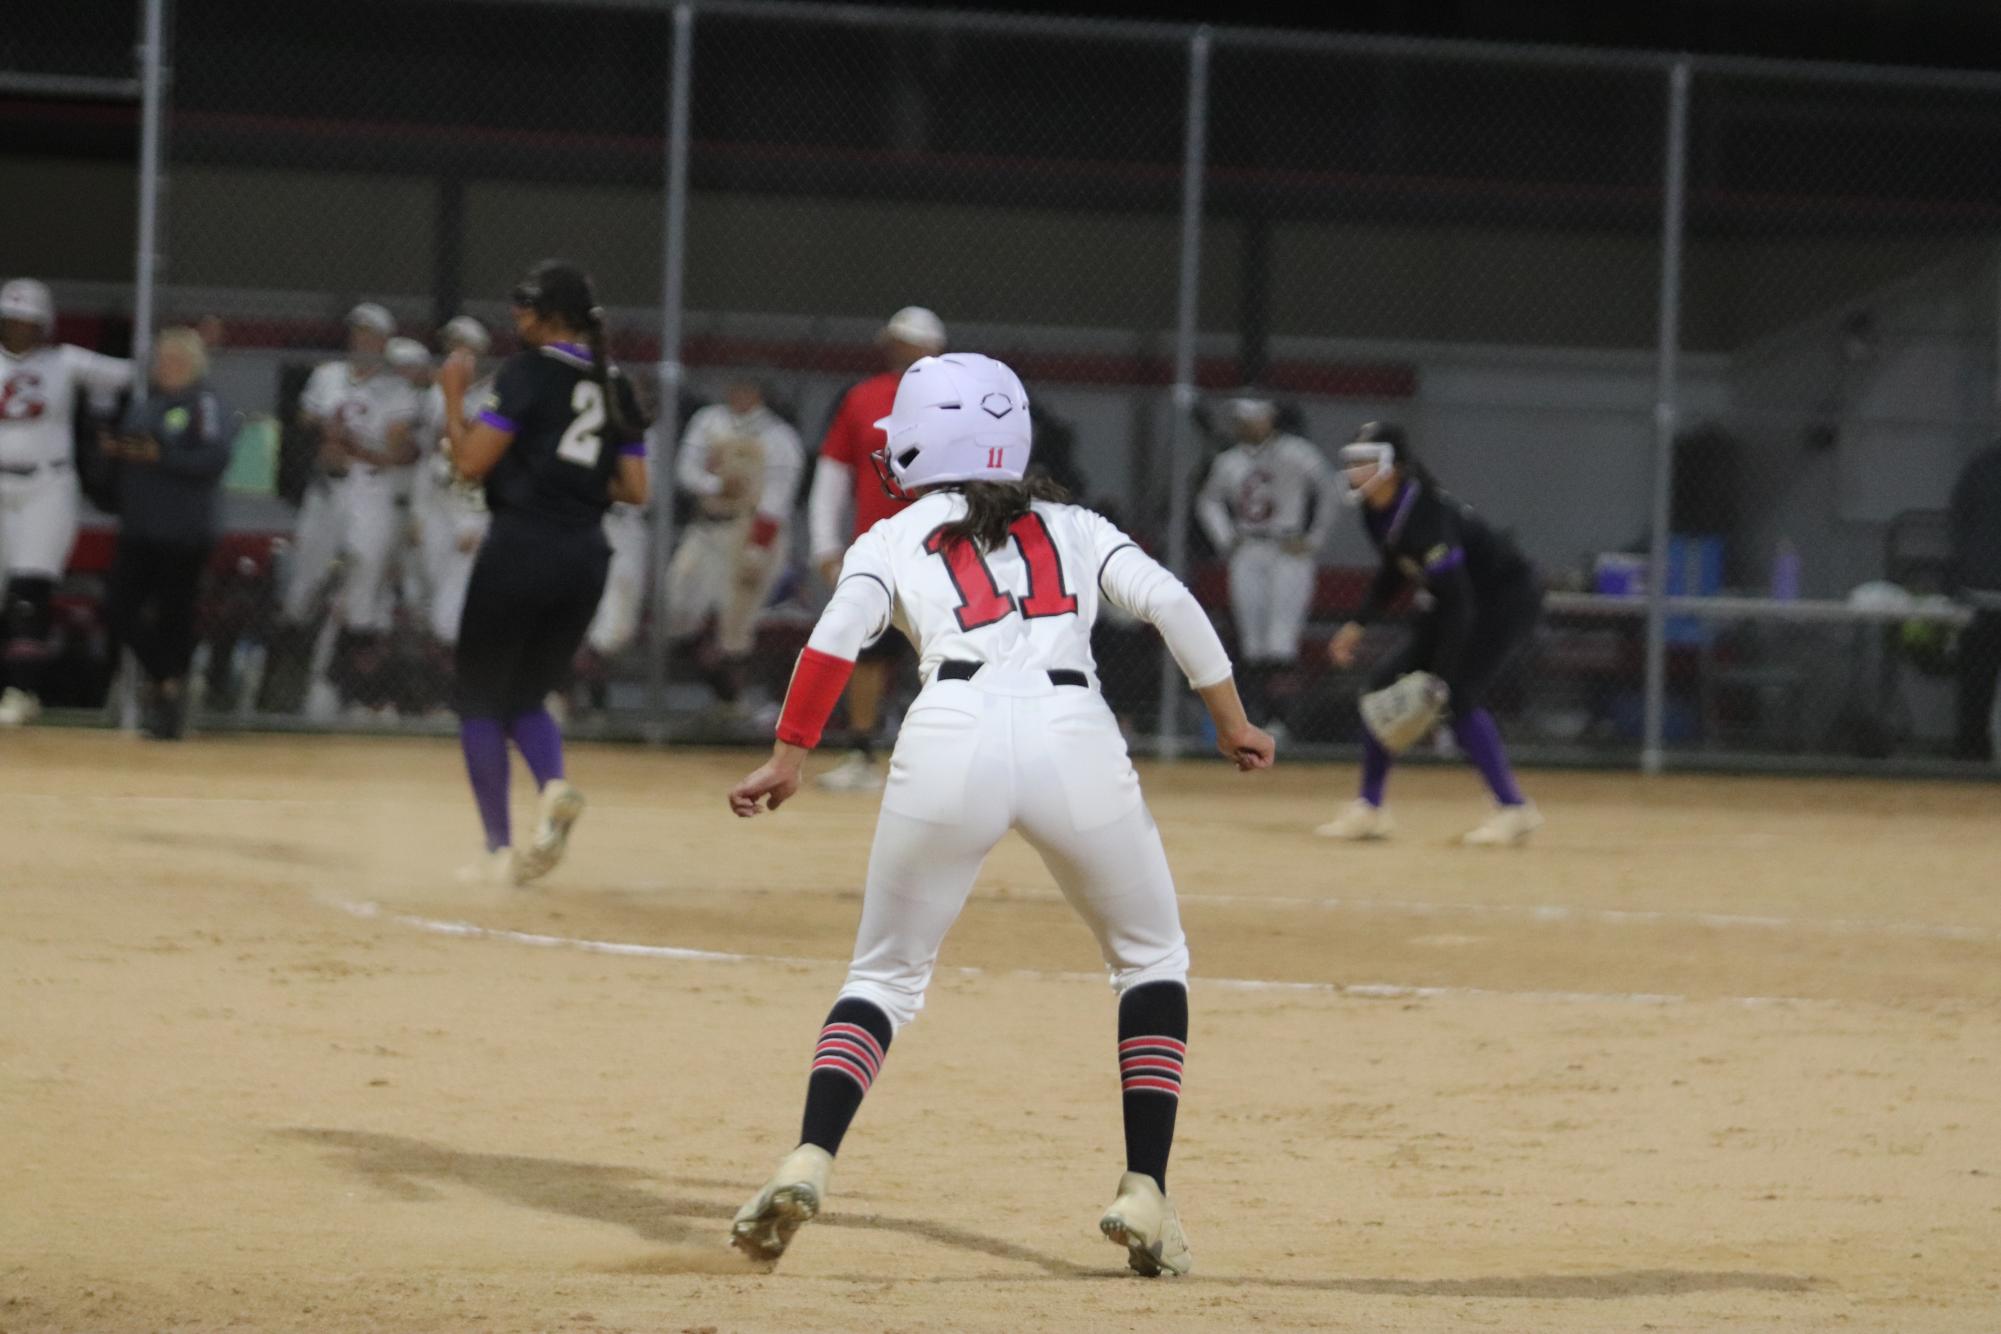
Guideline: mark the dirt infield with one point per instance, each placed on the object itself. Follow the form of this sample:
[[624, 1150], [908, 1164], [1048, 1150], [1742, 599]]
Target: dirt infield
[[1713, 1054]]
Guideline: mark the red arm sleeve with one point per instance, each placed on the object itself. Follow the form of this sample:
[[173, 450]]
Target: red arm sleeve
[[817, 683]]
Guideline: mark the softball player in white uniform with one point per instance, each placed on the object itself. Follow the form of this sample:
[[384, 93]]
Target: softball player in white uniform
[[39, 495], [627, 532], [741, 461], [998, 590], [318, 536], [376, 417], [451, 517], [367, 413], [1254, 507]]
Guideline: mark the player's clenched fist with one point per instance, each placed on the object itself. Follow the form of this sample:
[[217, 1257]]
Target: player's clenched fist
[[1248, 747], [1342, 649], [457, 373], [1243, 743], [772, 785]]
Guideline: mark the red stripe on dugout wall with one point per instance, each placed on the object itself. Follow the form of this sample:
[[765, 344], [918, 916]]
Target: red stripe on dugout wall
[[1333, 379]]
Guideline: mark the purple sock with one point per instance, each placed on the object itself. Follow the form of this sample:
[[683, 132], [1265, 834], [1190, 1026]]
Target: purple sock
[[1375, 769], [540, 742], [1481, 741], [485, 747]]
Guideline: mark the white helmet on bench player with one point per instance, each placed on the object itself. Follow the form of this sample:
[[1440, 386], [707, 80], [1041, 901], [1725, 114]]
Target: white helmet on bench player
[[29, 300], [961, 417]]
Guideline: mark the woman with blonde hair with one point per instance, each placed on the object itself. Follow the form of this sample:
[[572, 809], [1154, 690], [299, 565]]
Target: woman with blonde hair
[[171, 449]]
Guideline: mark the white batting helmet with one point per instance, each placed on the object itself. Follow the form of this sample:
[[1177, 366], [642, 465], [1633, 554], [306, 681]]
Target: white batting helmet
[[372, 316], [406, 353], [1250, 406], [28, 299], [962, 417], [466, 332], [916, 326]]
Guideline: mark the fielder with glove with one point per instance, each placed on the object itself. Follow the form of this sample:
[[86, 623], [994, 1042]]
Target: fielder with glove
[[1479, 603], [741, 463]]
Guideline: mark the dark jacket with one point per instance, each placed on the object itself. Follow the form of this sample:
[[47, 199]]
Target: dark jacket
[[1976, 524], [176, 497], [1430, 540]]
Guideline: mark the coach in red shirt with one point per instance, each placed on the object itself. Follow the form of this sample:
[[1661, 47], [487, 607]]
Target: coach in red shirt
[[848, 499]]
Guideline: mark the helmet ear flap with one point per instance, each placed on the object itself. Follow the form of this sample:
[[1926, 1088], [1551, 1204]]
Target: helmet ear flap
[[886, 475]]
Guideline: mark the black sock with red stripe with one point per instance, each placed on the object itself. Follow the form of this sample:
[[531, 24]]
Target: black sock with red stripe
[[845, 1062], [1153, 1041]]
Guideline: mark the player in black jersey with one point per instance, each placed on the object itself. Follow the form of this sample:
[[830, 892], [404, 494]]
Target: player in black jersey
[[1480, 602], [559, 439]]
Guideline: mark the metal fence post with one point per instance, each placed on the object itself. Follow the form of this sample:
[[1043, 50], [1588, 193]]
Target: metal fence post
[[667, 418], [1673, 216], [123, 702], [152, 112], [1184, 363]]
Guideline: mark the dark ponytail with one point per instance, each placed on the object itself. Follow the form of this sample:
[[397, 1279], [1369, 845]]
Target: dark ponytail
[[992, 508], [601, 371], [559, 290]]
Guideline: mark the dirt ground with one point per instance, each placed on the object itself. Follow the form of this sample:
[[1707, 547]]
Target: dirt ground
[[1713, 1054]]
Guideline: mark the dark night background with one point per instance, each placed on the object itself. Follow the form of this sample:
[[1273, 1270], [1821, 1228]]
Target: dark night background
[[1964, 34], [1485, 224]]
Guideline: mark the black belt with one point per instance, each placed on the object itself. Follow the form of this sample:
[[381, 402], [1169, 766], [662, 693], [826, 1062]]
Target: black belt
[[954, 670], [30, 469]]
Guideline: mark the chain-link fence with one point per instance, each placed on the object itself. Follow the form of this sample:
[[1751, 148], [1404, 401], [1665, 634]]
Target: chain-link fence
[[411, 161], [843, 170], [71, 97], [1841, 268], [1729, 324], [1442, 241]]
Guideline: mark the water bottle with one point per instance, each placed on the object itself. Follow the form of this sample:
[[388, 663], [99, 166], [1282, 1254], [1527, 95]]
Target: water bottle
[[1786, 571]]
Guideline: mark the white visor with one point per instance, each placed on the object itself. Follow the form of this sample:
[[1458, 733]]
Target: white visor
[[1380, 455]]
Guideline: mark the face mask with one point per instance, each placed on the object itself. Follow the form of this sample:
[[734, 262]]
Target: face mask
[[1377, 456]]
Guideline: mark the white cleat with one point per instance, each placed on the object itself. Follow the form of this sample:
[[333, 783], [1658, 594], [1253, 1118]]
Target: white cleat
[[561, 805], [18, 708], [1508, 826], [322, 702], [495, 868], [795, 1193], [856, 773], [1142, 1220], [1359, 823]]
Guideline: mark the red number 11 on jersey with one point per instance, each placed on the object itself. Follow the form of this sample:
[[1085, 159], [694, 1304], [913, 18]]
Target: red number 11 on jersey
[[981, 601]]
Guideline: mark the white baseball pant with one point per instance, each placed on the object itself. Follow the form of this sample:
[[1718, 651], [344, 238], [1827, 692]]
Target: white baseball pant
[[448, 538], [352, 519], [38, 526], [1270, 591], [716, 571], [372, 530], [974, 759], [617, 618], [316, 543]]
